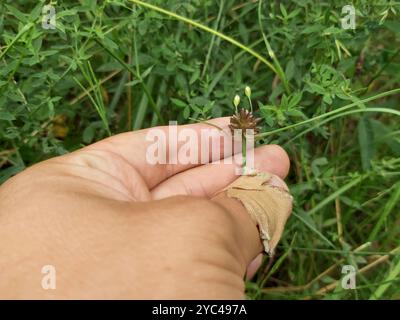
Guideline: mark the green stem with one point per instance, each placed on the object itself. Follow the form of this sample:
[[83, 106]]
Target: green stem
[[278, 68], [327, 114], [244, 152], [382, 110], [251, 104], [210, 48]]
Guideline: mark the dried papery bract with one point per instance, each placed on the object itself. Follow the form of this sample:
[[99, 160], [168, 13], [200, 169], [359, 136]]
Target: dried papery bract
[[268, 206]]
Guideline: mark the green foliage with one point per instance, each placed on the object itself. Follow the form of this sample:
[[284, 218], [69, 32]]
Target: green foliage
[[327, 94]]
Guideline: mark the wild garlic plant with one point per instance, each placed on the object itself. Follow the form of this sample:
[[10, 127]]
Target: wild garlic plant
[[245, 121]]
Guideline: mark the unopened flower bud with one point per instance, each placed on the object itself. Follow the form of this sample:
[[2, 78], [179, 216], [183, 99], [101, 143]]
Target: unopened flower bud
[[247, 91], [236, 101]]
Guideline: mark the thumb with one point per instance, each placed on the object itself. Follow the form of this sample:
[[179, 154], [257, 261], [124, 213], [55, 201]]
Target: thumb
[[260, 206]]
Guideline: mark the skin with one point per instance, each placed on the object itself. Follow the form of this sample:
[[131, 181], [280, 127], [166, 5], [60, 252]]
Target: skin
[[115, 226]]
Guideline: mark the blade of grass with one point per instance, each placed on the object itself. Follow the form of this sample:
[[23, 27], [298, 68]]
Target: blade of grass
[[142, 107], [336, 194], [392, 276], [279, 262], [97, 100], [89, 96], [102, 81], [390, 205], [101, 109], [327, 271], [97, 92], [317, 232]]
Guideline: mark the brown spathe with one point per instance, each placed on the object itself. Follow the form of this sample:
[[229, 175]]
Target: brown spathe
[[268, 206]]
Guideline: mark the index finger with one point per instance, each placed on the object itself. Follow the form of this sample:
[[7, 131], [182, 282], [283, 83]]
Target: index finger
[[133, 147]]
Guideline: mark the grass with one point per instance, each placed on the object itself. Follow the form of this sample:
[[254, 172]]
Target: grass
[[330, 96]]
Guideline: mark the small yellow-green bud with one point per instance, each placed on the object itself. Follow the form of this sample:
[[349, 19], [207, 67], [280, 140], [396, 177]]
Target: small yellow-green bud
[[247, 91], [236, 101]]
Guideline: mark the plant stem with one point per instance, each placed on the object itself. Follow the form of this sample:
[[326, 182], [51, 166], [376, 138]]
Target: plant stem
[[327, 114], [210, 48], [244, 152], [278, 68], [251, 104], [381, 110]]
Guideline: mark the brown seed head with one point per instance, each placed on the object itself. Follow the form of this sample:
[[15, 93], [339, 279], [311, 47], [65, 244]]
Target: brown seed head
[[244, 119]]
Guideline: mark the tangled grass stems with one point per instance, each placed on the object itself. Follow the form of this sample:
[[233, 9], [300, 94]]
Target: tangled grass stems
[[209, 30]]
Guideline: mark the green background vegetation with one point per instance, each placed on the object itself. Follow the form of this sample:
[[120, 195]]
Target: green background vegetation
[[330, 96]]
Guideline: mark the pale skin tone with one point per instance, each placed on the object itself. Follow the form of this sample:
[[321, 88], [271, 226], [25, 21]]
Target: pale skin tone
[[115, 226]]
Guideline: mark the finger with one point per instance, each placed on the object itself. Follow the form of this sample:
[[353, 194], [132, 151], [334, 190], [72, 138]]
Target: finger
[[134, 147], [254, 266], [206, 180]]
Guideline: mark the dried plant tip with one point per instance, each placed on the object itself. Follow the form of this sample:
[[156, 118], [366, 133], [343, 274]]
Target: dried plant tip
[[244, 120]]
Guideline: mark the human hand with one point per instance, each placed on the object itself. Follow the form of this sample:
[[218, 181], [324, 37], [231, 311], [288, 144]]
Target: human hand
[[115, 226]]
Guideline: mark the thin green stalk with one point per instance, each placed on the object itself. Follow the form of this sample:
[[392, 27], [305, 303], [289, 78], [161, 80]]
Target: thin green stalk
[[382, 110], [251, 104], [98, 95], [279, 262], [335, 194], [341, 109], [97, 101], [244, 152], [221, 9], [312, 228], [279, 70], [95, 104], [210, 30], [389, 206]]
